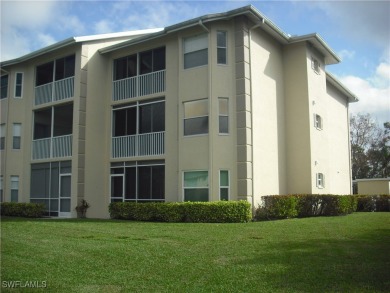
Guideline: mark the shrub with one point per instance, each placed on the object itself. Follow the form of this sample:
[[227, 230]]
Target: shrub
[[211, 212], [373, 203], [21, 209], [278, 207], [305, 205]]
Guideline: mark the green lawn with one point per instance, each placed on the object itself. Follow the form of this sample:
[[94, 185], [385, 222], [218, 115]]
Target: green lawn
[[327, 254]]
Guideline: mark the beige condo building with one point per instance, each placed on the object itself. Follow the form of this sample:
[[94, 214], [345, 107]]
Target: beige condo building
[[221, 107]]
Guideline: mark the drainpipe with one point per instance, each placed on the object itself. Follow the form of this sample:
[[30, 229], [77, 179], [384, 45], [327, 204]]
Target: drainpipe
[[210, 64], [251, 99]]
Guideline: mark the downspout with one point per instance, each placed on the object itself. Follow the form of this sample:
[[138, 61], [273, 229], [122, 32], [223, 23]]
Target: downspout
[[210, 64], [251, 99]]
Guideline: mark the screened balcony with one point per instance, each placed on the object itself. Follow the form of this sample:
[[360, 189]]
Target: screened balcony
[[53, 132], [139, 130], [55, 81], [139, 75]]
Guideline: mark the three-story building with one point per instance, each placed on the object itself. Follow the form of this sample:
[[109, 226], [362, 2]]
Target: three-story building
[[221, 107]]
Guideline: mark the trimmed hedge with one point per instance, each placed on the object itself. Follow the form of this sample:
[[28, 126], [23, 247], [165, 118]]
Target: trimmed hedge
[[22, 209], [373, 203], [196, 212], [305, 205]]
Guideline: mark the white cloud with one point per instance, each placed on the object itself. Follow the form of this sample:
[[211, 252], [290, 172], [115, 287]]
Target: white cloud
[[45, 39], [104, 26], [346, 54], [373, 93]]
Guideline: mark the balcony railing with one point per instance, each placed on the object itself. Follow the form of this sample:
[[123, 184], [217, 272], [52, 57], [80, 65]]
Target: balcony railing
[[54, 91], [148, 144], [141, 85], [52, 147]]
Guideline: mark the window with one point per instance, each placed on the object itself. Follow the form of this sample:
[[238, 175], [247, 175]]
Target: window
[[55, 70], [2, 136], [195, 51], [4, 86], [138, 181], [16, 133], [320, 180], [196, 186], [221, 47], [51, 185], [224, 185], [18, 85], [317, 121], [1, 188], [139, 119], [223, 115], [14, 188], [315, 65], [196, 117], [125, 67]]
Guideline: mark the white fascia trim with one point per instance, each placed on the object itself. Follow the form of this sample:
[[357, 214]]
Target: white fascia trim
[[117, 35]]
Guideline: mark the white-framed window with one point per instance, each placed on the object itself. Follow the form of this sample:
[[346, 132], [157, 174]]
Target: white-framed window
[[1, 188], [317, 121], [315, 65], [196, 185], [195, 51], [4, 86], [196, 117], [224, 185], [2, 136], [16, 136], [320, 180], [18, 84], [223, 104], [221, 47], [14, 188]]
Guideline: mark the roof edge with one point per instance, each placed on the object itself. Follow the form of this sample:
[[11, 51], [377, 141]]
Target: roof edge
[[352, 98]]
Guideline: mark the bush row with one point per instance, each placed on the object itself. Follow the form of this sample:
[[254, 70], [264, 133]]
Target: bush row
[[206, 212], [373, 203], [305, 205], [22, 209]]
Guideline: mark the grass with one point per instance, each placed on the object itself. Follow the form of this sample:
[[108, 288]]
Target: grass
[[327, 254]]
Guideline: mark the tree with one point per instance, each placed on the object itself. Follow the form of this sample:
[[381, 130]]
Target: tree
[[370, 147]]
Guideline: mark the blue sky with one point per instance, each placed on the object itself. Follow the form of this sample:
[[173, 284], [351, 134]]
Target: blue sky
[[358, 31]]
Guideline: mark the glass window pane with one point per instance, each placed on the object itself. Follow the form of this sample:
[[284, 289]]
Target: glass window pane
[[146, 59], [197, 58], [131, 121], [196, 108], [196, 179], [130, 183], [159, 59], [60, 69], [120, 68], [65, 186], [42, 123], [145, 119], [65, 205], [17, 129], [224, 178], [221, 39], [69, 66], [223, 106], [196, 126], [223, 124], [224, 193], [4, 86], [158, 117], [144, 182], [199, 194], [131, 66], [63, 120], [221, 55], [44, 73], [158, 182], [55, 181], [16, 141], [40, 176], [116, 186], [119, 124], [54, 205]]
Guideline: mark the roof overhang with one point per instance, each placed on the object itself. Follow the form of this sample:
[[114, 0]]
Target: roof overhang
[[338, 85], [74, 40]]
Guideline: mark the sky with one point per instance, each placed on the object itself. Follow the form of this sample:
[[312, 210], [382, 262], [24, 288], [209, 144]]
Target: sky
[[358, 31]]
